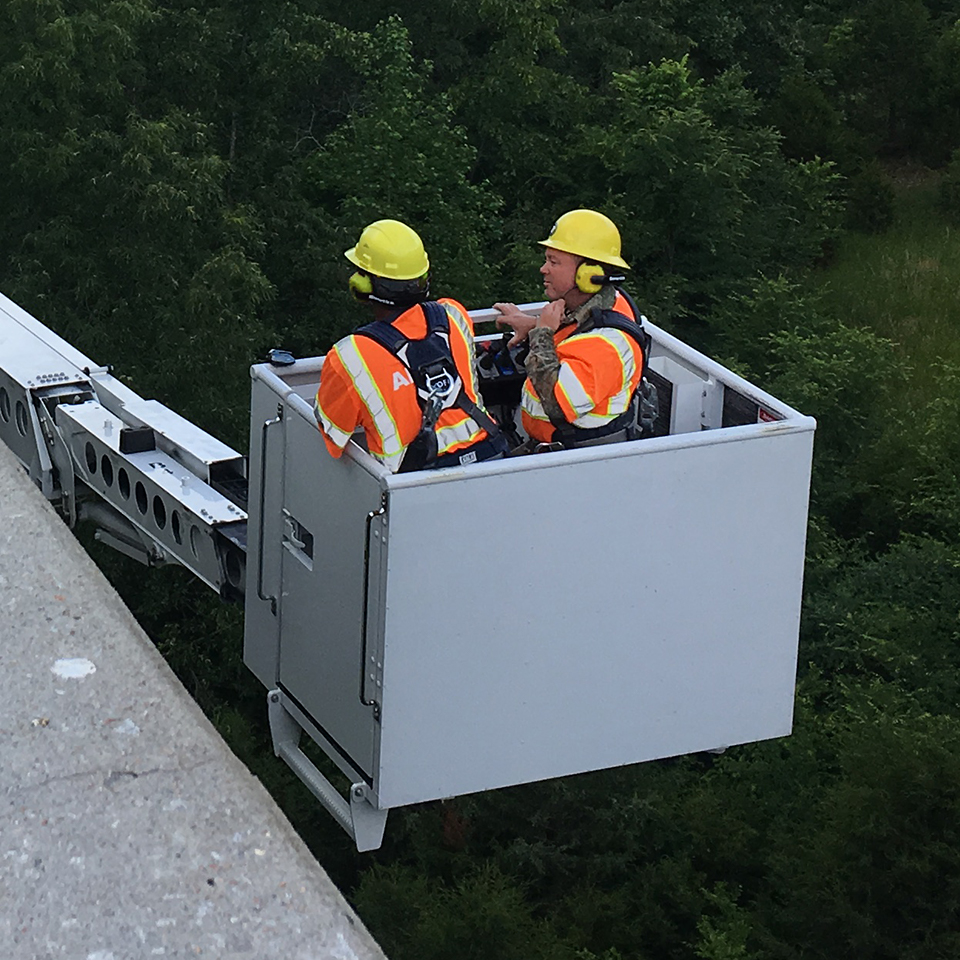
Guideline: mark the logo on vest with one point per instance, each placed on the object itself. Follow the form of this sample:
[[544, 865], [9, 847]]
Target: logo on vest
[[439, 385], [401, 379]]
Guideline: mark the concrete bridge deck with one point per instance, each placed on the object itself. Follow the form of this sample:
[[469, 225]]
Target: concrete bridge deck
[[128, 829]]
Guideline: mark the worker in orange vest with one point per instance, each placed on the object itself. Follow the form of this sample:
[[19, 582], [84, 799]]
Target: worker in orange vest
[[409, 377], [587, 347]]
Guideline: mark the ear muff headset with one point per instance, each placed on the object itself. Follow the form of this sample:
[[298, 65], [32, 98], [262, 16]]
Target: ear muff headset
[[390, 293], [591, 277], [361, 286]]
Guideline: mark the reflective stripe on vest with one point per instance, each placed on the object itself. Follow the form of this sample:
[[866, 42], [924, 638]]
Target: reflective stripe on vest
[[338, 436], [451, 436], [466, 333], [589, 412], [348, 350]]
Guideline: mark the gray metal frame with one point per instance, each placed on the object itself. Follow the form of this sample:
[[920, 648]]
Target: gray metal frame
[[64, 417]]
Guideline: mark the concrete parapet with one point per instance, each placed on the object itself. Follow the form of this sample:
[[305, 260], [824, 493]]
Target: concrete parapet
[[127, 827]]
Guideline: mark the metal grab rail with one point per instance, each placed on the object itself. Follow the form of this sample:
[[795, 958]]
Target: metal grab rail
[[263, 483]]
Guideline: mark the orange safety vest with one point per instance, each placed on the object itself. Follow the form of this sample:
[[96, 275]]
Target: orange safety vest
[[599, 372], [362, 384]]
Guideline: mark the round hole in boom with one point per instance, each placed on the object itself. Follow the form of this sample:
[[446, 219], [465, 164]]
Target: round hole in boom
[[123, 484], [90, 455], [21, 418], [106, 470], [175, 526], [4, 405], [234, 568], [195, 541], [141, 495], [159, 512]]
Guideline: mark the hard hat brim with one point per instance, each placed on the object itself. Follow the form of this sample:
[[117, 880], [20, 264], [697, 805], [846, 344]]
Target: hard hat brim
[[351, 255]]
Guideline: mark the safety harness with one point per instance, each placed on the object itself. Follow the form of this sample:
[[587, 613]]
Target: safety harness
[[439, 387], [638, 419]]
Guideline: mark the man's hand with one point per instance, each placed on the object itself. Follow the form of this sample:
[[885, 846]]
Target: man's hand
[[510, 316], [552, 315]]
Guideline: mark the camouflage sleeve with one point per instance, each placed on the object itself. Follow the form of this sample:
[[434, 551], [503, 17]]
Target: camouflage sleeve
[[543, 368]]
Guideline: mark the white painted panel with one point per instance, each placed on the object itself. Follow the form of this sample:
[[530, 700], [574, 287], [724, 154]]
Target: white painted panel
[[591, 614]]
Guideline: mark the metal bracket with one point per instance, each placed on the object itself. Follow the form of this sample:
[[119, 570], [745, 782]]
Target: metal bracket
[[60, 458], [361, 819], [711, 411]]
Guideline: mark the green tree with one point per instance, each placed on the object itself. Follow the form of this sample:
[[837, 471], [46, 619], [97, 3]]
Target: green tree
[[872, 869], [480, 917], [399, 154], [705, 199], [845, 378], [880, 56], [119, 233]]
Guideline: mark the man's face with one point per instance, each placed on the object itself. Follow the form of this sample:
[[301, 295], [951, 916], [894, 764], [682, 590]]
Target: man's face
[[559, 273]]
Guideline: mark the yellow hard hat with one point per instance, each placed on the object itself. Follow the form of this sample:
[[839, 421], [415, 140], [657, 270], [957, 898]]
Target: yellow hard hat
[[587, 234], [391, 249]]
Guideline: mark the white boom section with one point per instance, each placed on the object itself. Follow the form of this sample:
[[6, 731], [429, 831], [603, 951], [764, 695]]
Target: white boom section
[[155, 484]]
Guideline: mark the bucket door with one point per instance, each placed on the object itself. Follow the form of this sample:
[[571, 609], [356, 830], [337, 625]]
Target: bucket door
[[328, 575]]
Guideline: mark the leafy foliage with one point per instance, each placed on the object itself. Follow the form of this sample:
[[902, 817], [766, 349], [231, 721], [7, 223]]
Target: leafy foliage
[[949, 193], [400, 155], [869, 201], [873, 870], [719, 204], [178, 186]]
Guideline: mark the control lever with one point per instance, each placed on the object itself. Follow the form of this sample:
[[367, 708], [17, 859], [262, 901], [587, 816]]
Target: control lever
[[520, 356], [486, 355], [506, 361], [502, 355], [498, 359]]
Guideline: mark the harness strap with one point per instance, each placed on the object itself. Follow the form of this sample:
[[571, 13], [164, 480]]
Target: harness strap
[[646, 398], [439, 321], [569, 434], [610, 318], [423, 448], [385, 333]]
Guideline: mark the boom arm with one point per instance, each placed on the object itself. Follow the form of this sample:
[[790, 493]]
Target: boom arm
[[158, 488]]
